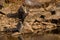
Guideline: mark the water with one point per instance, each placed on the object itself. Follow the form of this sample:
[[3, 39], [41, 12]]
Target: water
[[30, 36]]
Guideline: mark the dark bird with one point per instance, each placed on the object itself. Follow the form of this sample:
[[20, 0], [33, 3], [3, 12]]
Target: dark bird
[[21, 14]]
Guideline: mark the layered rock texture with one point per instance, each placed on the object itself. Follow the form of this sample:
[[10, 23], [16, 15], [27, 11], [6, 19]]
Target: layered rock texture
[[28, 19]]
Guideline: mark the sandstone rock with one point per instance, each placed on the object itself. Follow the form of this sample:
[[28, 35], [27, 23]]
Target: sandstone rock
[[35, 20]]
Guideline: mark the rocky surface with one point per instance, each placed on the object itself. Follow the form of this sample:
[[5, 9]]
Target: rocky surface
[[28, 19]]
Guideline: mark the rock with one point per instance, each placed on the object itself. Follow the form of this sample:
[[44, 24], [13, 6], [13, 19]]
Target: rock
[[38, 18]]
